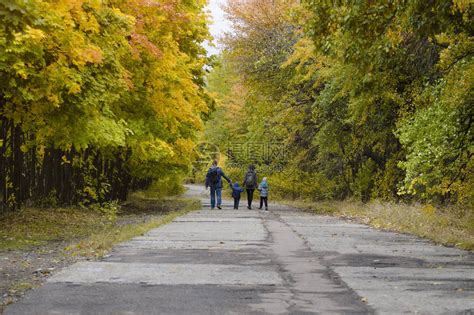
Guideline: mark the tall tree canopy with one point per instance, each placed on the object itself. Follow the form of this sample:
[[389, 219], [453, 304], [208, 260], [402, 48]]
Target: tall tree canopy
[[370, 99], [97, 97]]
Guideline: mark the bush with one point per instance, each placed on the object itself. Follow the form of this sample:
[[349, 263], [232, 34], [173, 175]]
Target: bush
[[296, 184], [170, 185]]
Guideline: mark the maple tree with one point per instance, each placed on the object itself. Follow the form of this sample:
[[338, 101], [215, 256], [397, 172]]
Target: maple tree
[[97, 98]]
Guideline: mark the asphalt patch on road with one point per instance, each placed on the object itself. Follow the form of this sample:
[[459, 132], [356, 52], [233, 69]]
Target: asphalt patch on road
[[142, 299], [377, 261]]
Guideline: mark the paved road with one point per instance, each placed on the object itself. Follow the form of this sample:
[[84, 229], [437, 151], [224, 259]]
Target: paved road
[[249, 262]]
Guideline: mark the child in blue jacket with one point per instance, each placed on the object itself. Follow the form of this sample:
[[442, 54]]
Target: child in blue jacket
[[236, 191], [263, 188]]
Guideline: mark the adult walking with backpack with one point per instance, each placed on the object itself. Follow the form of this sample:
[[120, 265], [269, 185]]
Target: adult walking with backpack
[[250, 183], [214, 181]]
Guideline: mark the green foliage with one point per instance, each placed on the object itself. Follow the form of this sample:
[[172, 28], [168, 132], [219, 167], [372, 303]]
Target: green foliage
[[405, 69], [371, 100], [296, 184], [170, 185], [439, 155], [108, 209]]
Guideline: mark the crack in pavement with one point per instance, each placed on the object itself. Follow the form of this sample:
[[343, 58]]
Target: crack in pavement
[[315, 288], [250, 262]]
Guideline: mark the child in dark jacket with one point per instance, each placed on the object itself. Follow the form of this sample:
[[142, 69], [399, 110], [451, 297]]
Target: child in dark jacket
[[236, 191]]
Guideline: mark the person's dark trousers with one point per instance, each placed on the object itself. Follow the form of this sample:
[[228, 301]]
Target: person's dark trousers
[[264, 199], [250, 197], [236, 203]]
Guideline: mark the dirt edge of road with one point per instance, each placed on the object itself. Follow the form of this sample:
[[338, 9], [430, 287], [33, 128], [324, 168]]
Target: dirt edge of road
[[22, 270]]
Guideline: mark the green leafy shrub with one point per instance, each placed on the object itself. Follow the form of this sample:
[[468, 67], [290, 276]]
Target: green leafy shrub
[[439, 160]]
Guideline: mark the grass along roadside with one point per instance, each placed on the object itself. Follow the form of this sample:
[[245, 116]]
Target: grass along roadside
[[101, 242], [36, 242], [447, 226], [32, 228]]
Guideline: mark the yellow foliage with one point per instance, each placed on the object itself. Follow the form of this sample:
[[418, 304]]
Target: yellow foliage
[[429, 210]]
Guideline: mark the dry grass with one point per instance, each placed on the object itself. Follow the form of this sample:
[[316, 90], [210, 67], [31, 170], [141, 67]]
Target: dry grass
[[448, 226], [34, 227], [102, 241]]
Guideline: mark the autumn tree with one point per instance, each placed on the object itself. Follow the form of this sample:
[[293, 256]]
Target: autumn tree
[[371, 99], [97, 98]]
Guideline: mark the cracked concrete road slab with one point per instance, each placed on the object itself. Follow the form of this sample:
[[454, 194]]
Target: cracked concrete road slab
[[250, 262]]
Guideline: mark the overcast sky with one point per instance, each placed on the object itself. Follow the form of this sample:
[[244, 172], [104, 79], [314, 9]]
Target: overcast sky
[[219, 24]]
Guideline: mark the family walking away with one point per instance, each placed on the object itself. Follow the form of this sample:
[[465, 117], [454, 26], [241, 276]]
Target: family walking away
[[214, 181]]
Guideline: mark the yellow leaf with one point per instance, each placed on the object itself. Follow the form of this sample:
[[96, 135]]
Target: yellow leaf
[[24, 148], [74, 88]]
